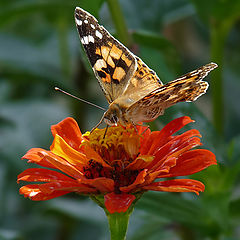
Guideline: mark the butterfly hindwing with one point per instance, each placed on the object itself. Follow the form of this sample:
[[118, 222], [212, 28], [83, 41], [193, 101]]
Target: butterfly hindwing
[[184, 89], [113, 64]]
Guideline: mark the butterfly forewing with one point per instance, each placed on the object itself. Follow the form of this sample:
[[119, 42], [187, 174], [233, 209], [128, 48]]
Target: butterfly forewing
[[113, 64]]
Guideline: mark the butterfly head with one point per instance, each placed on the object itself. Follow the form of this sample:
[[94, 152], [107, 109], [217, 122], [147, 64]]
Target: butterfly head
[[113, 115]]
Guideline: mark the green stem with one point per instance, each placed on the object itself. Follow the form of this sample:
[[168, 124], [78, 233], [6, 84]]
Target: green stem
[[63, 47], [217, 50], [219, 33], [118, 224], [119, 22]]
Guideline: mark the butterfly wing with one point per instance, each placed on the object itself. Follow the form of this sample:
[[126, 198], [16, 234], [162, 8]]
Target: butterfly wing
[[143, 82], [112, 63], [187, 88]]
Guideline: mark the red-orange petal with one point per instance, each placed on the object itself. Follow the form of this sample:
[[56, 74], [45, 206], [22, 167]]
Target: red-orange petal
[[173, 149], [191, 162], [62, 165], [68, 129], [160, 138], [153, 175], [47, 158], [166, 166], [33, 192], [177, 185], [71, 186], [42, 175], [62, 149], [140, 162], [140, 179], [102, 184], [118, 202], [178, 139], [37, 155], [148, 142], [174, 126]]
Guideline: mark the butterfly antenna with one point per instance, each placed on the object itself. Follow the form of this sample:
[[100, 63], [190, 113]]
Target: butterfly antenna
[[80, 99]]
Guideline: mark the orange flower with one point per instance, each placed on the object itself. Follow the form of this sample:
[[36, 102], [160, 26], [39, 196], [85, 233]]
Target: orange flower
[[119, 166]]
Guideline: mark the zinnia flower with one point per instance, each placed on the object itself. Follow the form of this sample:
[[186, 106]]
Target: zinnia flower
[[119, 165]]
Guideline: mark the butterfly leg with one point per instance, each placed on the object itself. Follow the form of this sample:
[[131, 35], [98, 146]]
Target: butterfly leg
[[105, 132], [141, 125], [145, 129], [134, 125]]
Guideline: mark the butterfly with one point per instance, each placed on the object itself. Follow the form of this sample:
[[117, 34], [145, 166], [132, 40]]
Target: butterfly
[[133, 90]]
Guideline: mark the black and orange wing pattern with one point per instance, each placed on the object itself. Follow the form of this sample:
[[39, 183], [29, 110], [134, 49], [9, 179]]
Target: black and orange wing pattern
[[113, 63], [133, 90]]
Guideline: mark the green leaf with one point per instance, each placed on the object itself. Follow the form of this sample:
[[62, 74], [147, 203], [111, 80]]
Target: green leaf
[[82, 209], [165, 61], [234, 208], [30, 127], [152, 40], [18, 9], [6, 234], [191, 213], [172, 207], [221, 10]]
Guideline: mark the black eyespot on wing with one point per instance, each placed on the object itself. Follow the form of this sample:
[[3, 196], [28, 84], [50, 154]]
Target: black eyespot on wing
[[101, 74]]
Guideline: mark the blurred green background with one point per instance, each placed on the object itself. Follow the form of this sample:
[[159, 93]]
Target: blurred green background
[[40, 49]]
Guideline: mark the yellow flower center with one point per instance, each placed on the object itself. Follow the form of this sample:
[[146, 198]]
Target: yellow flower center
[[116, 145]]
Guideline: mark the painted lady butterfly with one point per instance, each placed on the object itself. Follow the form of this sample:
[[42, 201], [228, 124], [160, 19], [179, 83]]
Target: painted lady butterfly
[[134, 91]]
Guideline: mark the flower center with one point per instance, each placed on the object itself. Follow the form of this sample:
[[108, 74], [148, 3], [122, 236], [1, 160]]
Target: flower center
[[118, 147]]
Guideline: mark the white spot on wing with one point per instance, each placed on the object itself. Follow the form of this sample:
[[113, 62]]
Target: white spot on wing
[[93, 27], [90, 39], [85, 39], [79, 22], [98, 34], [86, 21]]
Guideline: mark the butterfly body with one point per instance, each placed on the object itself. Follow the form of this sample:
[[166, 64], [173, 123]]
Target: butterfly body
[[133, 90]]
